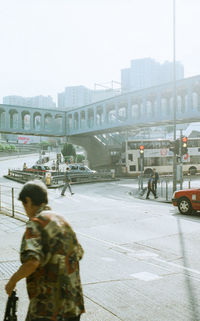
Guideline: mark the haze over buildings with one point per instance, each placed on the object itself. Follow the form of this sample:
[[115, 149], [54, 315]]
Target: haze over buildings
[[77, 96], [147, 72], [143, 73], [37, 101]]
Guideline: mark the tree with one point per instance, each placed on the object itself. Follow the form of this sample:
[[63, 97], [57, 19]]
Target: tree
[[68, 150], [80, 158]]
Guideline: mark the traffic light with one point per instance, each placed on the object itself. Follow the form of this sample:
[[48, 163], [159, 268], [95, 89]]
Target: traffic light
[[174, 146], [184, 148], [142, 151], [141, 162]]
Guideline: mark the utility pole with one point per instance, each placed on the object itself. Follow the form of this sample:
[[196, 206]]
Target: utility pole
[[141, 165], [174, 92], [181, 161]]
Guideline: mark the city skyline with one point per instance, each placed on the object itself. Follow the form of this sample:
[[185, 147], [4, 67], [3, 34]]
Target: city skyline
[[143, 73], [50, 45]]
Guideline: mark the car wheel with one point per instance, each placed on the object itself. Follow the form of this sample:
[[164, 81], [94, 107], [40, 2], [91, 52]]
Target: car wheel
[[185, 206], [192, 170]]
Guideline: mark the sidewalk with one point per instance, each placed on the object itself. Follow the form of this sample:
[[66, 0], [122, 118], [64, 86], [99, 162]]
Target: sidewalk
[[11, 231], [151, 198]]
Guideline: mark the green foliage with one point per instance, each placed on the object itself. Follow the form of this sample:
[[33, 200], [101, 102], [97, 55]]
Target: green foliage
[[7, 147], [44, 145], [12, 147], [80, 158], [68, 150]]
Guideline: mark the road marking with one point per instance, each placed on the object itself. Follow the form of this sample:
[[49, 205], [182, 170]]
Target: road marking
[[178, 266], [146, 276], [133, 251], [108, 259]]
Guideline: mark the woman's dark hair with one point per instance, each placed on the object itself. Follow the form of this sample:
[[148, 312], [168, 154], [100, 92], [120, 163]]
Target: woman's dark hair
[[37, 192]]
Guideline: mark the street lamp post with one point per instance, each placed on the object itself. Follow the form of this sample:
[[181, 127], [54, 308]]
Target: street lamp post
[[174, 90]]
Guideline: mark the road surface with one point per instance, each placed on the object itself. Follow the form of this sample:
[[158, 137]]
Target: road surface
[[141, 261]]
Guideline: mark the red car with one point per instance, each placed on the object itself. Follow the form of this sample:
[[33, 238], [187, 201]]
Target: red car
[[38, 168], [187, 200]]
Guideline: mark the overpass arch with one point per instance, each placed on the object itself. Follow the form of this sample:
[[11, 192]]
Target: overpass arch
[[48, 121], [37, 121], [59, 122], [13, 118], [2, 118], [82, 119], [26, 120]]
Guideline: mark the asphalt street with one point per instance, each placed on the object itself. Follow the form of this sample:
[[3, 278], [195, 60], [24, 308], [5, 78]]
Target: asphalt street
[[141, 259]]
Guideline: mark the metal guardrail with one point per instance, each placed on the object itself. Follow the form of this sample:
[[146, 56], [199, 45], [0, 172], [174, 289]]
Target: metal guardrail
[[53, 179], [164, 186], [9, 203]]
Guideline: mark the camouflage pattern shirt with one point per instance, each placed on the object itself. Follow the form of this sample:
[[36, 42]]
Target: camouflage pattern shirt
[[54, 289]]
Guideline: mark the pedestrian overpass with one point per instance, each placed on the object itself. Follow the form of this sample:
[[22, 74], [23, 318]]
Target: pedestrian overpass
[[137, 109]]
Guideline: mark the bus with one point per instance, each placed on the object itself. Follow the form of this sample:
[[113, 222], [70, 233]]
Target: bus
[[157, 154]]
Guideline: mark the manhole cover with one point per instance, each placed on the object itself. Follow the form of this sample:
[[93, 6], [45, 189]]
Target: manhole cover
[[8, 268]]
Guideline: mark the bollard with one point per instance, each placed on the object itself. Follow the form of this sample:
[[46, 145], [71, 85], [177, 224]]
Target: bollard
[[161, 188], [8, 172], [166, 190], [13, 206], [189, 182], [48, 178], [112, 173]]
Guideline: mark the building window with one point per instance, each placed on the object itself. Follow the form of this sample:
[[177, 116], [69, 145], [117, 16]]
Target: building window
[[130, 157], [132, 168]]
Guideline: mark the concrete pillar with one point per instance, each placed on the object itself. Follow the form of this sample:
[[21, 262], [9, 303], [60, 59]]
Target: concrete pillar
[[129, 114], [73, 124], [86, 119], [104, 115], [31, 121], [95, 116], [79, 120], [183, 105], [42, 122], [19, 120], [158, 107], [116, 111], [7, 119], [144, 106], [189, 106]]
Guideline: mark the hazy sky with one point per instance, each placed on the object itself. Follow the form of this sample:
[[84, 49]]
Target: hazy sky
[[47, 45]]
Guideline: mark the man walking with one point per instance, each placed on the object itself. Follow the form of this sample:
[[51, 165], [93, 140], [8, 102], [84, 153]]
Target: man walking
[[67, 181], [50, 255], [156, 179], [150, 188]]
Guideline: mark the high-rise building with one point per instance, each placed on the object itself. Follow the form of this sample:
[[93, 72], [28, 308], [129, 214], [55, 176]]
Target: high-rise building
[[147, 72], [37, 101], [77, 96], [74, 96]]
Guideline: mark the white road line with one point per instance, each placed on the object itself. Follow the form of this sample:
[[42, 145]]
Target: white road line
[[130, 250]]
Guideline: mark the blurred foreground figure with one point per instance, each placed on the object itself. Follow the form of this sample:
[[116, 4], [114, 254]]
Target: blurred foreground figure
[[50, 255]]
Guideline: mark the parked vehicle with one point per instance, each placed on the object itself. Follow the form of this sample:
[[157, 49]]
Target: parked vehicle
[[79, 168], [38, 168], [187, 200]]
